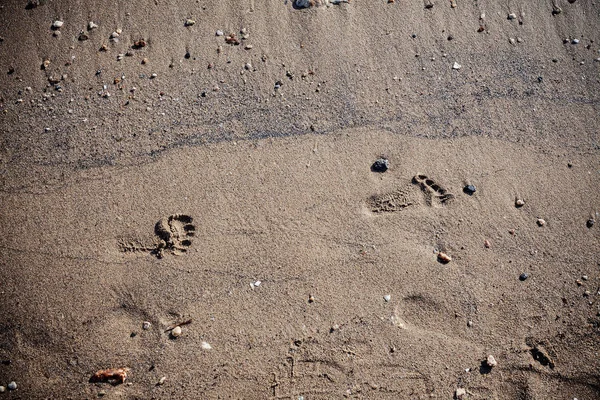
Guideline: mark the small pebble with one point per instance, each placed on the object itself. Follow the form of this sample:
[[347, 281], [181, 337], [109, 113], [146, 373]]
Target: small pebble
[[470, 189], [541, 222], [491, 361], [575, 41], [248, 47], [519, 40], [311, 298], [380, 165], [487, 244], [219, 32], [205, 346], [2, 389], [444, 258], [387, 298], [189, 22], [12, 385], [470, 324], [161, 381], [523, 276], [57, 24], [92, 25], [585, 277], [519, 203], [153, 76], [512, 16], [146, 325], [456, 66], [248, 66], [176, 332], [460, 393], [590, 222]]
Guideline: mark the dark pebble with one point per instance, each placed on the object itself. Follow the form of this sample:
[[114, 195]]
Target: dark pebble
[[380, 165], [470, 189], [523, 276], [590, 222]]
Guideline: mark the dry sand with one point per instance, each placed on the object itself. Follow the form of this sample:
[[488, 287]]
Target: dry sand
[[295, 240]]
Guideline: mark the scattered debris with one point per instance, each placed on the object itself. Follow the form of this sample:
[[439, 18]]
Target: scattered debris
[[116, 375], [232, 39]]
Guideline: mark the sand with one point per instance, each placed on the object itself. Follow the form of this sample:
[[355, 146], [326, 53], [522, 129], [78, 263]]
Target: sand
[[207, 194]]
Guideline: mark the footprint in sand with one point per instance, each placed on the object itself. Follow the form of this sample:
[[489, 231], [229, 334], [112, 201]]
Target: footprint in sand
[[173, 234], [434, 193], [390, 202]]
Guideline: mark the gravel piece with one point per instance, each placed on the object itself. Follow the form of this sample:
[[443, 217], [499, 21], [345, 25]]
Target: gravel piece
[[523, 276], [470, 189], [380, 165], [12, 385]]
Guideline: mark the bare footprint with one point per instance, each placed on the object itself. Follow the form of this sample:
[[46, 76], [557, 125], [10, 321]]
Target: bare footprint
[[433, 191], [390, 202], [175, 233]]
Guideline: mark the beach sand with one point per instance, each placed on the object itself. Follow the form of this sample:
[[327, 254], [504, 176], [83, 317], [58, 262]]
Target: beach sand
[[232, 194]]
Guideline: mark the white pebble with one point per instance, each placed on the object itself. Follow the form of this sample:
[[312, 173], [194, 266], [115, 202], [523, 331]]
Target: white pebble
[[512, 16], [114, 35], [460, 393], [153, 76], [248, 66], [205, 346], [219, 32], [162, 380], [176, 332], [146, 325], [12, 385], [92, 25], [2, 389], [456, 66], [575, 41], [57, 24], [387, 297], [541, 222], [491, 361]]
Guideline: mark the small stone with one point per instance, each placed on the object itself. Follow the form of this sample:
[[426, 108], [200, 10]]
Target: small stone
[[92, 25], [146, 325], [153, 76], [587, 293], [491, 361], [470, 189], [387, 298], [334, 328], [83, 36], [487, 244], [511, 41], [380, 165], [114, 35], [585, 277], [470, 324], [189, 22], [176, 332], [575, 41], [519, 203], [2, 389], [248, 66], [456, 66], [219, 32], [248, 47], [57, 24], [523, 276], [460, 393], [579, 283], [590, 222], [519, 40], [12, 385], [541, 222], [144, 61], [205, 346], [443, 257], [311, 298], [512, 16], [161, 381]]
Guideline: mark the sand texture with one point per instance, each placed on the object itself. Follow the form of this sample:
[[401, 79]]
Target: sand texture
[[194, 202]]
